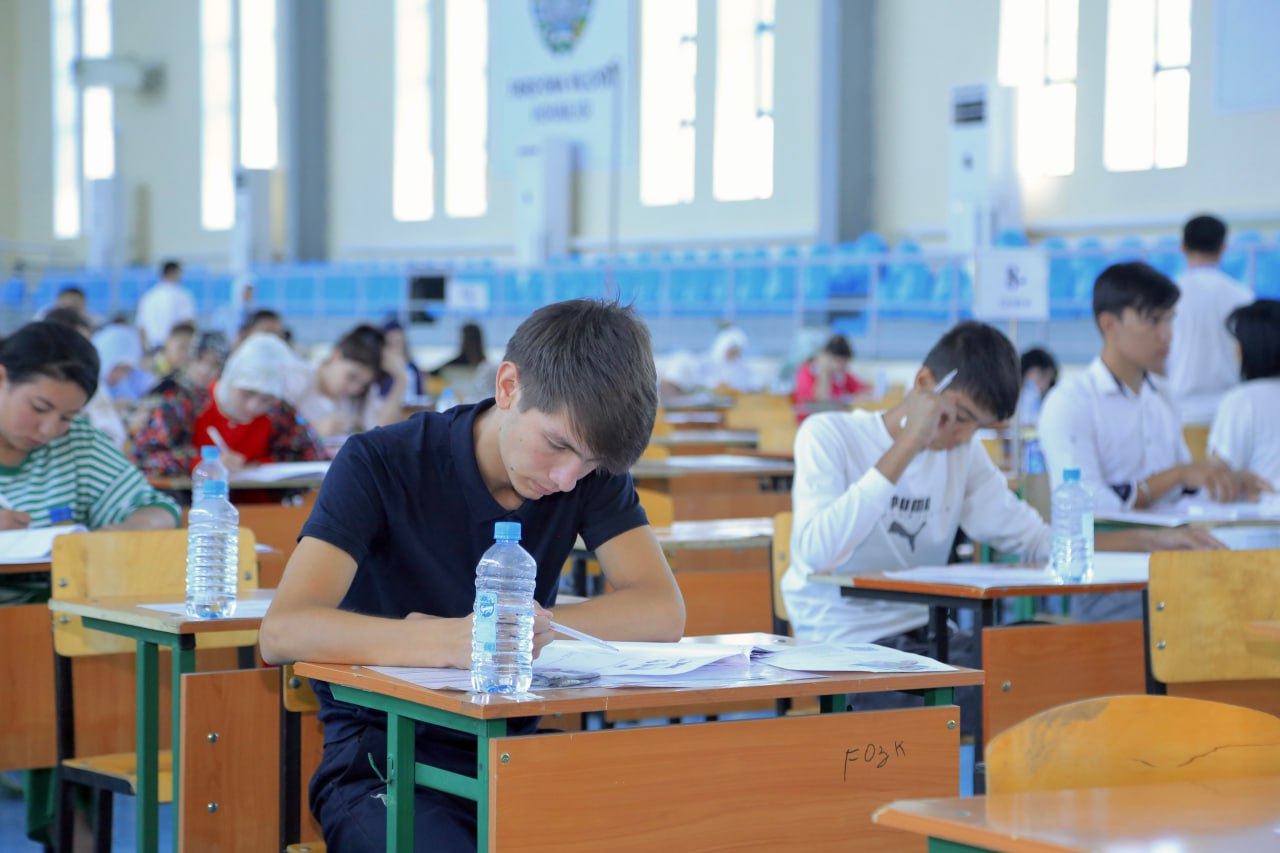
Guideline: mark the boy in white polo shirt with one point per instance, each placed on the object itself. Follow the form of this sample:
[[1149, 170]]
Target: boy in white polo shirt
[[889, 490]]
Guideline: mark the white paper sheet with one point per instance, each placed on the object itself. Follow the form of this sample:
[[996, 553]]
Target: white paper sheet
[[849, 657], [33, 544], [245, 609], [275, 471], [1108, 567], [1200, 510]]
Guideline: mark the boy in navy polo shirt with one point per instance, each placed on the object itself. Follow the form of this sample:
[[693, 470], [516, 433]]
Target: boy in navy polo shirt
[[384, 572]]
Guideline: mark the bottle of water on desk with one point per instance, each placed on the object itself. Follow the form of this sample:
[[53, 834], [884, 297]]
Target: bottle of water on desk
[[209, 470], [502, 630], [1072, 560], [213, 552]]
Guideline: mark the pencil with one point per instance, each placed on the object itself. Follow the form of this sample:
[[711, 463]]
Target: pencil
[[581, 635]]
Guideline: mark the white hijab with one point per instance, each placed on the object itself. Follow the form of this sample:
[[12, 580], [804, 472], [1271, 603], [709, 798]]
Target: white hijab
[[116, 345], [261, 363]]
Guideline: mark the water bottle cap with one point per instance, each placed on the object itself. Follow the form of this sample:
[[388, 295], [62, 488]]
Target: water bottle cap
[[1071, 475], [210, 451], [507, 530]]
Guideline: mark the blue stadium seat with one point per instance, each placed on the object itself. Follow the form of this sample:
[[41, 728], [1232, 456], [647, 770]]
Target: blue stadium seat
[[1235, 261], [954, 284], [384, 293], [1167, 256], [1011, 238], [523, 291], [639, 282], [1087, 269], [699, 285], [15, 293], [754, 284], [908, 287], [1267, 283]]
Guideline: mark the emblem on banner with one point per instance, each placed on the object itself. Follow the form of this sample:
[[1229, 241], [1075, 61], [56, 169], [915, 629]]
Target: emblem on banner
[[561, 22]]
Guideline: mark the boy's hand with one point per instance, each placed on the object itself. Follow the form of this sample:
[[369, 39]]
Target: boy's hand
[[457, 642], [925, 414], [12, 519], [1183, 539], [1223, 485], [543, 633]]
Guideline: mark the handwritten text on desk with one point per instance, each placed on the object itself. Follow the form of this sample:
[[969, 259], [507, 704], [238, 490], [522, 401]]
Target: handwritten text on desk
[[875, 755]]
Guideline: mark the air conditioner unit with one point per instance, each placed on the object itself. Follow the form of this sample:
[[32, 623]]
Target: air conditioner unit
[[106, 224], [120, 73], [982, 187], [544, 200], [251, 232]]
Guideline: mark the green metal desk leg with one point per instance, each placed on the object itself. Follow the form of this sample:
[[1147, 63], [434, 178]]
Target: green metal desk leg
[[935, 696], [836, 703], [400, 783], [942, 845], [148, 749], [184, 661], [490, 729]]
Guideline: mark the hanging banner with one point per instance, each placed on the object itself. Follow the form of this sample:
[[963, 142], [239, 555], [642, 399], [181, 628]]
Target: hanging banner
[[559, 69]]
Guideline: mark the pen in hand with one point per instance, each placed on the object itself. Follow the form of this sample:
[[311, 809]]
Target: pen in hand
[[937, 389], [581, 635]]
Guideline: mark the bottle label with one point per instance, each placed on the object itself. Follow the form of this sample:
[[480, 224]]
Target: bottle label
[[486, 624]]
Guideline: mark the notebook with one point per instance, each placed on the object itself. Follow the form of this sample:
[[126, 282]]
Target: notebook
[[32, 545]]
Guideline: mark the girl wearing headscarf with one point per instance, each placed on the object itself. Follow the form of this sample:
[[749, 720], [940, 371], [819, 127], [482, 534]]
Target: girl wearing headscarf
[[245, 406], [121, 376], [727, 365]]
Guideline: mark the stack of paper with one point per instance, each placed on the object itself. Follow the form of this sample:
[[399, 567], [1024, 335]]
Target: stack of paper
[[1108, 567], [273, 472], [32, 545]]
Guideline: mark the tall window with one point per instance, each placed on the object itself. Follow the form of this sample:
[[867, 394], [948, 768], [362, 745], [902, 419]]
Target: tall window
[[83, 122], [413, 168], [1148, 84], [466, 107], [1038, 47], [742, 159], [668, 100], [259, 131], [217, 110]]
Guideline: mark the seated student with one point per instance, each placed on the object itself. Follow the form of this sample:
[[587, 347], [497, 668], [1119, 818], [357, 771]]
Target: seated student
[[122, 378], [243, 406], [826, 376], [1245, 434], [50, 457], [99, 410], [201, 371], [1039, 374], [877, 491], [71, 297], [261, 321], [338, 397], [1116, 421], [397, 341], [175, 352], [726, 365], [574, 409]]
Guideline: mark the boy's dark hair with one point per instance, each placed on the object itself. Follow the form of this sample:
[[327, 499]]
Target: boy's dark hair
[[592, 360], [185, 327], [838, 346], [53, 350], [1132, 285], [73, 289], [1205, 234], [1041, 358], [257, 317], [215, 342], [472, 351], [69, 317], [363, 345], [170, 267], [1257, 328], [986, 366]]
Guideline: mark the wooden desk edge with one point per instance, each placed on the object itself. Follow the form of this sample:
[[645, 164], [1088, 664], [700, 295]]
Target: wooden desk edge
[[877, 582], [128, 610]]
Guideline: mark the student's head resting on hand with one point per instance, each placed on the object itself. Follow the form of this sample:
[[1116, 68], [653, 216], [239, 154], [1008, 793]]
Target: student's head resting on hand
[[354, 364], [576, 391], [48, 372], [986, 385], [253, 379], [1133, 305]]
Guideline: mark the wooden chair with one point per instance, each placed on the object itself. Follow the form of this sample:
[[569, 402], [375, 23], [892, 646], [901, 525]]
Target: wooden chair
[[777, 440], [105, 565], [1116, 741], [779, 560], [1200, 604], [301, 745], [1031, 668], [1197, 438], [277, 526]]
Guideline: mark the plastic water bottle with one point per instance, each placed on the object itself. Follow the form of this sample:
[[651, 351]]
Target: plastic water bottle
[[447, 400], [502, 632], [209, 469], [213, 554], [1072, 560]]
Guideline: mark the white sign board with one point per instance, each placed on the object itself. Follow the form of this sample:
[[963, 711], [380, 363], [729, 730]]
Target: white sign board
[[463, 296], [1011, 284]]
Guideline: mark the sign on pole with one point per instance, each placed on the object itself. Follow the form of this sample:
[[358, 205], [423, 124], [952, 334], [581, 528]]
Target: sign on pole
[[1011, 284]]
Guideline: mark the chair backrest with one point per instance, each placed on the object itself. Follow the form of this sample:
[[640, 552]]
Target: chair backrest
[[779, 440], [781, 559], [1201, 603], [1197, 438], [108, 564], [658, 506], [1116, 741]]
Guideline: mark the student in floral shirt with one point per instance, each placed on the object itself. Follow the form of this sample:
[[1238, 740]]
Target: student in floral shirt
[[245, 408]]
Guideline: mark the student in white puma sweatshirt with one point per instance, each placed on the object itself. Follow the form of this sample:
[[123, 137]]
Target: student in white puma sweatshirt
[[878, 491]]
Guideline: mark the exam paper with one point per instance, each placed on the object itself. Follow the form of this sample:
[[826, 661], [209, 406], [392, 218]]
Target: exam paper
[[848, 657], [275, 471], [254, 608], [32, 544]]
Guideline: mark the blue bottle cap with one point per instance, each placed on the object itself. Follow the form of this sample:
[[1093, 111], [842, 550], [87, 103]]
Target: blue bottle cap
[[507, 530], [60, 515], [210, 451], [1071, 475]]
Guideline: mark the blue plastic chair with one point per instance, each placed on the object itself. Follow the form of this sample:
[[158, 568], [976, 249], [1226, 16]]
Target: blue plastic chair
[[1011, 238], [1167, 256], [907, 288], [1235, 261]]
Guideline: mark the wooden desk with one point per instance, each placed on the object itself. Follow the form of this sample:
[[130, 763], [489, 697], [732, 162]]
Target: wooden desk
[[771, 782], [126, 617], [694, 419], [704, 487], [183, 484], [1228, 814], [24, 568], [697, 402], [685, 439]]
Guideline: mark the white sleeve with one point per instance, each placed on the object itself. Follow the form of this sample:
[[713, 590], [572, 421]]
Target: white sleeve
[[1068, 440], [831, 515], [1229, 437], [992, 513]]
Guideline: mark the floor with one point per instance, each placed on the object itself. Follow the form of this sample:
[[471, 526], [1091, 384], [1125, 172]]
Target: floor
[[12, 816]]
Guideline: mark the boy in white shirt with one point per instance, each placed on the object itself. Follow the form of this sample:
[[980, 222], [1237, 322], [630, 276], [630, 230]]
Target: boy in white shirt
[[877, 491], [1202, 365], [1244, 433]]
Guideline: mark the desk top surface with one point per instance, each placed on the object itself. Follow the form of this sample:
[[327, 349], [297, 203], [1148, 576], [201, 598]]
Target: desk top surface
[[692, 418], [19, 568], [721, 437], [886, 582], [129, 611], [1229, 814], [718, 463], [719, 533], [576, 700], [180, 484]]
